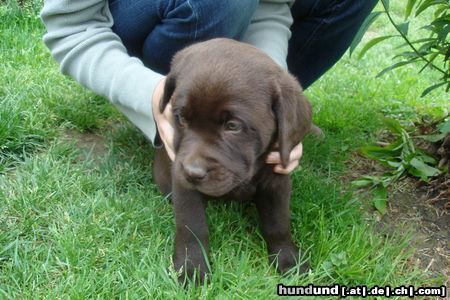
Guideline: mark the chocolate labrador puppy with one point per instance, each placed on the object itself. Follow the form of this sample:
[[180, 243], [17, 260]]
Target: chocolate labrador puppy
[[232, 105]]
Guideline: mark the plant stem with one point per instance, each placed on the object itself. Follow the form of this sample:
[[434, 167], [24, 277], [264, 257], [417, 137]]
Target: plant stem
[[409, 43]]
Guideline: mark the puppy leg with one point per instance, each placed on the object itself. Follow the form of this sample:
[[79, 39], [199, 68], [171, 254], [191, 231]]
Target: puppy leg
[[161, 171], [191, 237], [272, 201]]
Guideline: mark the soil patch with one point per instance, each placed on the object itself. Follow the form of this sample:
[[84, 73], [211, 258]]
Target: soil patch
[[91, 145], [410, 210], [416, 208]]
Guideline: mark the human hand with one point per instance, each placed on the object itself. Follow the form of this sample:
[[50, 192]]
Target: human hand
[[164, 120], [294, 158]]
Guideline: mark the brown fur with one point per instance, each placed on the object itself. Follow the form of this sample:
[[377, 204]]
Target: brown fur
[[232, 104]]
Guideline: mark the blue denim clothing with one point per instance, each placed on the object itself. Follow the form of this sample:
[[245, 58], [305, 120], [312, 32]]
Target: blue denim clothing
[[321, 33], [155, 30]]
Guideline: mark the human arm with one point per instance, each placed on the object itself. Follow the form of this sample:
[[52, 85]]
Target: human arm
[[269, 29], [81, 40]]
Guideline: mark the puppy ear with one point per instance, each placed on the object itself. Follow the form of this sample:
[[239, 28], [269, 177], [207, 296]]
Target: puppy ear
[[293, 115], [169, 88]]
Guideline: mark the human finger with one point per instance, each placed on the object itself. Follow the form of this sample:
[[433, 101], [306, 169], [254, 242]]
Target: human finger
[[286, 171], [296, 154]]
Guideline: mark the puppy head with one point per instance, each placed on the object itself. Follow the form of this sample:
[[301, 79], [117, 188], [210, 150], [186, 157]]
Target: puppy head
[[231, 103]]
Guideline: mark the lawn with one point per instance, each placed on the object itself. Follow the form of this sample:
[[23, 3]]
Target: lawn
[[80, 216]]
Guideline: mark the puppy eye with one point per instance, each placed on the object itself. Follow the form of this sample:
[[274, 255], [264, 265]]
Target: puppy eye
[[233, 126], [180, 120]]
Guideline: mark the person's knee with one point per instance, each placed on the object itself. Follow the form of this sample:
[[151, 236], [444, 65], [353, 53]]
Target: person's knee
[[190, 21], [222, 18], [362, 7], [323, 8]]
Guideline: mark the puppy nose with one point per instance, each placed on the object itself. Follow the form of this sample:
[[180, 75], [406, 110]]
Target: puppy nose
[[194, 172]]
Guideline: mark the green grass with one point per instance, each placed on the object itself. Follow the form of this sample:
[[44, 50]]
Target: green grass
[[85, 228]]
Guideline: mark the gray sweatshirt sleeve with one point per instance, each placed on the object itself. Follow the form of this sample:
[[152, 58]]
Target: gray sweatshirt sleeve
[[80, 39], [269, 29]]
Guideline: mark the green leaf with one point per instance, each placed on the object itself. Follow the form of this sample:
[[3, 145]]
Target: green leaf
[[440, 11], [379, 153], [425, 48], [428, 39], [372, 43], [408, 145], [430, 61], [339, 259], [443, 33], [432, 137], [426, 158], [393, 164], [394, 176], [394, 66], [386, 4], [327, 266], [362, 30], [409, 7], [403, 28], [395, 146], [361, 183], [393, 125], [422, 170], [407, 54], [444, 127], [366, 181], [431, 88], [380, 199], [426, 4]]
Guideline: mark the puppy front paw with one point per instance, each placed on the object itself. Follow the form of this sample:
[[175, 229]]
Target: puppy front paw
[[287, 257], [192, 266]]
